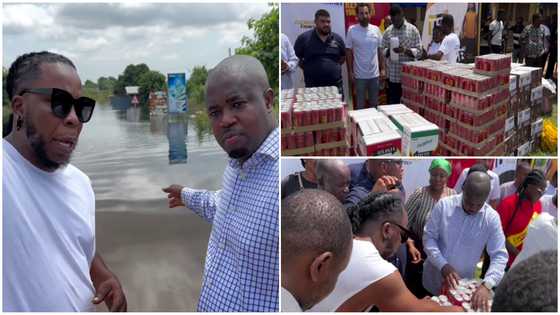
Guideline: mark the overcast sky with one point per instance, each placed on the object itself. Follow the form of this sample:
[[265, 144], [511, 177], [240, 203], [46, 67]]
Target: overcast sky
[[102, 39]]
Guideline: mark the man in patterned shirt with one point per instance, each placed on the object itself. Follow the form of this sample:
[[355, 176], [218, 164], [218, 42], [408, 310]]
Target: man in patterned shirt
[[532, 39], [409, 49], [241, 269]]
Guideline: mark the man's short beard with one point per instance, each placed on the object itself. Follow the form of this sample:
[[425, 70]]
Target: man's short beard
[[38, 146], [324, 32], [238, 153]]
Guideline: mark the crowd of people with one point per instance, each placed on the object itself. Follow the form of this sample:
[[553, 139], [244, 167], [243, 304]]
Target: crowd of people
[[353, 241], [534, 44], [374, 58]]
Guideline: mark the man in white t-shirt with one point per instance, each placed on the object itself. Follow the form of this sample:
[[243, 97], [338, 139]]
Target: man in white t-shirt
[[449, 48], [482, 165], [364, 58], [50, 262], [316, 247], [496, 29], [378, 224]]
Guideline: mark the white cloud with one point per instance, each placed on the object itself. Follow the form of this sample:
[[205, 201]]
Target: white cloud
[[231, 33], [71, 55], [102, 39], [24, 17], [88, 44]]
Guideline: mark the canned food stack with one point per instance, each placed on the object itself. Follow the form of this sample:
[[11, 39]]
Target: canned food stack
[[526, 109], [467, 102], [441, 300], [495, 65], [461, 295], [312, 122]]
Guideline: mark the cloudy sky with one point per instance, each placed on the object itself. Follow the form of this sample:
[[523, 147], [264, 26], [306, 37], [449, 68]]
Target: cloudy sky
[[102, 39]]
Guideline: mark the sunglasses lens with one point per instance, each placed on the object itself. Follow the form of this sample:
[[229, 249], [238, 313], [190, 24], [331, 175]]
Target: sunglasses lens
[[61, 103], [85, 108]]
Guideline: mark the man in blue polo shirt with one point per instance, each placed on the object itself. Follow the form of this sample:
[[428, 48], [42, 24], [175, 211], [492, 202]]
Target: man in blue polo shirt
[[321, 53]]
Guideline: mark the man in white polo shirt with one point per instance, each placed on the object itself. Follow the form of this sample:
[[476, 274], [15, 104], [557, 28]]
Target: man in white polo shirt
[[496, 29], [364, 57], [449, 48]]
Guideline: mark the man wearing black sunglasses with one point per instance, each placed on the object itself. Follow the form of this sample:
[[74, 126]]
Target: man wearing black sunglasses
[[49, 257], [378, 175]]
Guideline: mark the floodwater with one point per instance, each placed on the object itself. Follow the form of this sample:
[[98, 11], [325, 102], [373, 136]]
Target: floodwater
[[158, 253]]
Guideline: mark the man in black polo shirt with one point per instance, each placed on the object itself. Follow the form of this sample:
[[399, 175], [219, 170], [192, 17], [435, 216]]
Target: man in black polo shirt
[[516, 30], [321, 53]]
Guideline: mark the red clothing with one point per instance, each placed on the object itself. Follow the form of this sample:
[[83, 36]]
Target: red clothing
[[517, 229]]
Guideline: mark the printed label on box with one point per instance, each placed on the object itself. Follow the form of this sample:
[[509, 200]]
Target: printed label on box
[[523, 150], [513, 84], [510, 123], [524, 116], [537, 127], [537, 93]]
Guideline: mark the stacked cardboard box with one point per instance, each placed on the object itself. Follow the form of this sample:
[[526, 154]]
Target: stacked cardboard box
[[313, 122], [391, 130], [527, 102], [468, 103], [376, 135], [419, 136]]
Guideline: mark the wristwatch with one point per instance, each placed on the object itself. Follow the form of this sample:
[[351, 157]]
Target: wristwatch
[[489, 284]]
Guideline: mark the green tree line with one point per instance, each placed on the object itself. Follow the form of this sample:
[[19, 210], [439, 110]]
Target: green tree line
[[263, 45]]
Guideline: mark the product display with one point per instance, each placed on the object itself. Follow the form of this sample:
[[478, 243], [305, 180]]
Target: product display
[[491, 107], [313, 122], [460, 296], [479, 108]]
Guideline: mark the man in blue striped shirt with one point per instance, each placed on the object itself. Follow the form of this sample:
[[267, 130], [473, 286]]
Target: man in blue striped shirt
[[241, 269], [457, 230]]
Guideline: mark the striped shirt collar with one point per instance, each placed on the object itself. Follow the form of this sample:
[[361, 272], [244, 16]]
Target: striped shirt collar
[[267, 150]]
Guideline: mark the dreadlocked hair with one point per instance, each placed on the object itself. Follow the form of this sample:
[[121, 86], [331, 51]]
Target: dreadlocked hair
[[25, 68], [375, 207], [535, 177]]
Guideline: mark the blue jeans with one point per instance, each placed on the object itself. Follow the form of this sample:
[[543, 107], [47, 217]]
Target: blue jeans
[[372, 87]]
